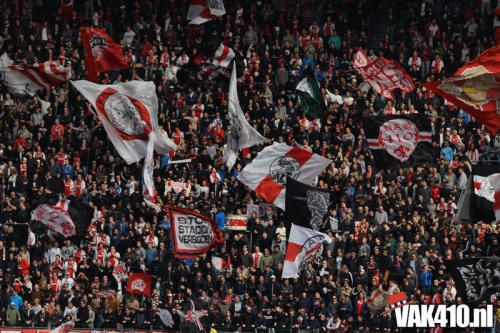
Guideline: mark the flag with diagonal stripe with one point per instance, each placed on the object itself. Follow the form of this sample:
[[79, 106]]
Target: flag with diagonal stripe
[[223, 56], [28, 79], [303, 246], [268, 172]]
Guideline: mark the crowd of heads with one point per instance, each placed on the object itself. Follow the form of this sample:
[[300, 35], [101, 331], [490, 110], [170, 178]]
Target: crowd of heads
[[394, 227]]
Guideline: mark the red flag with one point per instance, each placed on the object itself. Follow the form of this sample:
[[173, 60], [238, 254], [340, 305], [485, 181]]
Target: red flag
[[386, 75], [139, 283], [475, 88], [102, 54]]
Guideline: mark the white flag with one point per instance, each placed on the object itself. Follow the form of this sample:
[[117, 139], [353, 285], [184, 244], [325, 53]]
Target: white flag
[[243, 135], [129, 114], [166, 317], [223, 56], [303, 245], [268, 172], [28, 79], [5, 61]]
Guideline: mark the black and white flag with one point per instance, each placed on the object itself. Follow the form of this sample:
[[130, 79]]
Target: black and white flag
[[485, 194], [399, 139], [476, 278], [307, 208]]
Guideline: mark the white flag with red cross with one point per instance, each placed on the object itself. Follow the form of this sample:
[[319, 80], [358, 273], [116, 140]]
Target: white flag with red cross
[[268, 172]]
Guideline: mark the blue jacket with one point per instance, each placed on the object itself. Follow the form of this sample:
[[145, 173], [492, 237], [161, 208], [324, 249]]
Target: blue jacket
[[447, 152], [426, 278], [220, 220], [17, 300]]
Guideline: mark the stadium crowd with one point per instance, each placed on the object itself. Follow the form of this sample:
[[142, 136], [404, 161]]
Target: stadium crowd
[[395, 227]]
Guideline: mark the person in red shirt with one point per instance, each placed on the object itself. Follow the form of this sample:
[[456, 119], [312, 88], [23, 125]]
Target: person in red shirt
[[328, 27], [218, 134], [198, 108], [69, 186], [178, 136], [19, 142], [61, 157], [79, 185], [304, 38], [57, 131]]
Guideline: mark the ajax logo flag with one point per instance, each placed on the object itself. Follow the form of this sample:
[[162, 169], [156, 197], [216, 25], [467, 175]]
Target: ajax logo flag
[[129, 114], [268, 172]]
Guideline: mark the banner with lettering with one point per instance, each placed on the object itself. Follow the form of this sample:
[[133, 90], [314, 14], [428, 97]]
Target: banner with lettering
[[386, 75], [192, 233]]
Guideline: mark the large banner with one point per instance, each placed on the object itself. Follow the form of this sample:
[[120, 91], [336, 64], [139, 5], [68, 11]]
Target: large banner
[[192, 233], [476, 278], [386, 75]]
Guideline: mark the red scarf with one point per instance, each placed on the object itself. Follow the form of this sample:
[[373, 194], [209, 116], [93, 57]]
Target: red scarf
[[437, 66]]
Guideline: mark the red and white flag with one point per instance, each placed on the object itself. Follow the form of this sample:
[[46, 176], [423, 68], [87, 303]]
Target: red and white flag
[[223, 56], [66, 217], [361, 59], [221, 264], [267, 173], [384, 76], [129, 115], [56, 217], [201, 11], [28, 79], [303, 245], [139, 283], [150, 200], [475, 88], [64, 328], [192, 233], [102, 54], [120, 272]]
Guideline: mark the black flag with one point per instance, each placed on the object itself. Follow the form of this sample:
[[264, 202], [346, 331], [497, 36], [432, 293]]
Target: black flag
[[66, 216], [476, 278], [399, 139], [307, 206]]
